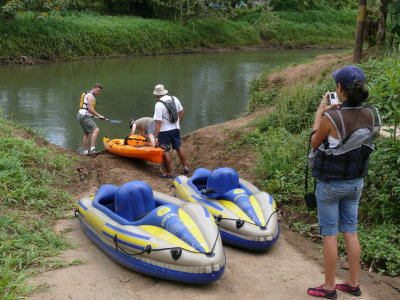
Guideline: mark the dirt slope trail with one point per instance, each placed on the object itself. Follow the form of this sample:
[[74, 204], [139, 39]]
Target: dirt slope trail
[[284, 272]]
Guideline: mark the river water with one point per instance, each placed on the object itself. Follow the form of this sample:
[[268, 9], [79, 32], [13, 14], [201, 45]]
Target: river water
[[212, 87]]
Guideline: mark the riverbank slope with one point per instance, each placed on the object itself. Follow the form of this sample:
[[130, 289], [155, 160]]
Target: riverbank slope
[[284, 272]]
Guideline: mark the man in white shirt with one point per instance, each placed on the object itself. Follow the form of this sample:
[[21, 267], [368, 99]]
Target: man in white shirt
[[168, 114]]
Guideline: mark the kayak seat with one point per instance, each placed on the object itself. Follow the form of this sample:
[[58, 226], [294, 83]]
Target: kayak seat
[[105, 197], [220, 181], [133, 200], [199, 178]]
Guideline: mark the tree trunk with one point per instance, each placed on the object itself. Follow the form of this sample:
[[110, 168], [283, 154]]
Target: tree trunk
[[383, 12], [362, 11]]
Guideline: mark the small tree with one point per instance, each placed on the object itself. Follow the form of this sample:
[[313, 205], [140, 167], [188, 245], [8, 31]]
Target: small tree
[[362, 12], [382, 17], [186, 9]]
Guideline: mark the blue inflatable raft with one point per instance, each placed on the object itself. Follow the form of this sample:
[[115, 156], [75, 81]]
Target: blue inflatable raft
[[247, 216], [154, 233]]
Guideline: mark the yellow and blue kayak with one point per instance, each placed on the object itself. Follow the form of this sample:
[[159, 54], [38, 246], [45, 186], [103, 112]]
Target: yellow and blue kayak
[[247, 216], [154, 233]]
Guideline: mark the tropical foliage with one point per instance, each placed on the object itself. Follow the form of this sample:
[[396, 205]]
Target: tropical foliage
[[40, 8]]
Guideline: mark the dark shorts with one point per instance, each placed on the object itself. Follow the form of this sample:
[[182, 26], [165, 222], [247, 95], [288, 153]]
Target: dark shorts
[[87, 123], [170, 137]]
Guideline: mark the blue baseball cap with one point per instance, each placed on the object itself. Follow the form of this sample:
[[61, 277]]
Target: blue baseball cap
[[348, 74]]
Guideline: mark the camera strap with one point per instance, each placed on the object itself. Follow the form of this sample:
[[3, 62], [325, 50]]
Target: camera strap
[[309, 197]]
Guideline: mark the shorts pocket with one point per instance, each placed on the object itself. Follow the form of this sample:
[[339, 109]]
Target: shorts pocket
[[334, 192]]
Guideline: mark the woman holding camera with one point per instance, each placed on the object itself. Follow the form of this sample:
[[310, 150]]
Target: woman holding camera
[[342, 136]]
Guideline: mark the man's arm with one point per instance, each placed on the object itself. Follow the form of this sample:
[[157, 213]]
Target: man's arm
[[90, 100], [158, 127], [133, 130], [181, 114]]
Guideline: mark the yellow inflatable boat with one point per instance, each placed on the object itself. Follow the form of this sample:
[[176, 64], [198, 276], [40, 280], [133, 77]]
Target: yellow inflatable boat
[[247, 216], [154, 233]]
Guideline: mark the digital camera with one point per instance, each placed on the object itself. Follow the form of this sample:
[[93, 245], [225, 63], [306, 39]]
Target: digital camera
[[333, 98]]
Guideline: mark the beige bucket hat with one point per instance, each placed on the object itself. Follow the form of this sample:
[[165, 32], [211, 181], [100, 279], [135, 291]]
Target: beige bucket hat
[[159, 90]]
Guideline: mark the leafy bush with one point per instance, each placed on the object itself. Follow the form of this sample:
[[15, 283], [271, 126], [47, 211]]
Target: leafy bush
[[281, 162], [380, 246], [384, 86], [41, 9], [295, 107], [382, 192]]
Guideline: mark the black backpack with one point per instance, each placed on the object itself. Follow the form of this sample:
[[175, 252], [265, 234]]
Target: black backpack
[[172, 111]]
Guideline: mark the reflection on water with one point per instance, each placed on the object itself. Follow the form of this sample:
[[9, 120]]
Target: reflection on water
[[212, 87]]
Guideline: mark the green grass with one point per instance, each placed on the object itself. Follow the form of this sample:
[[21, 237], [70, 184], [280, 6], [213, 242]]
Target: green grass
[[328, 28], [29, 202], [82, 34], [281, 139], [88, 34]]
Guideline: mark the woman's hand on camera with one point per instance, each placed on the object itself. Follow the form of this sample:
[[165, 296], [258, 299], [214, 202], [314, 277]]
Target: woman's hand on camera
[[323, 107]]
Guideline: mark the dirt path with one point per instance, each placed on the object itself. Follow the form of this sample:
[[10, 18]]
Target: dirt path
[[285, 272]]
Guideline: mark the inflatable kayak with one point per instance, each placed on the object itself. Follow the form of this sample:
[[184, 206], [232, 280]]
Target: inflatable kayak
[[135, 146], [247, 216], [179, 242]]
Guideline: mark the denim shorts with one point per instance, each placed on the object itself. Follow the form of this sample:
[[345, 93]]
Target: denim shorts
[[170, 137], [338, 205]]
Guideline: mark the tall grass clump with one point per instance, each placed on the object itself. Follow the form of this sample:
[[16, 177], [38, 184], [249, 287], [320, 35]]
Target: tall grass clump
[[318, 28], [72, 35], [282, 136], [223, 32], [30, 202], [89, 34]]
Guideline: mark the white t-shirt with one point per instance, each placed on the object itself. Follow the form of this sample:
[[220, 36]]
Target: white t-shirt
[[161, 114]]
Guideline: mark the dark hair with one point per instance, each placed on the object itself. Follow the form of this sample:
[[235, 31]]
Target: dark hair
[[356, 92]]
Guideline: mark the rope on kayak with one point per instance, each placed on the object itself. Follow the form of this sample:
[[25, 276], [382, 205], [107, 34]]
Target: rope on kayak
[[240, 222], [176, 252]]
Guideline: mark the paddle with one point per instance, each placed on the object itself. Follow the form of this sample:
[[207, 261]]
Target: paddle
[[108, 120]]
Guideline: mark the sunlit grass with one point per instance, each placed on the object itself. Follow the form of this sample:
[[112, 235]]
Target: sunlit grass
[[29, 204]]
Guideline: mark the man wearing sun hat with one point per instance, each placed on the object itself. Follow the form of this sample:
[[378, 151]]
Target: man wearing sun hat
[[167, 130]]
